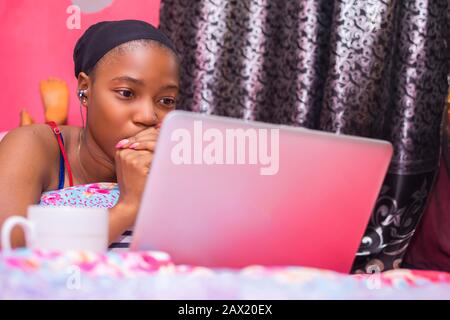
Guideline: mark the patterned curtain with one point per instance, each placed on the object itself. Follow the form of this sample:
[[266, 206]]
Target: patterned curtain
[[372, 68]]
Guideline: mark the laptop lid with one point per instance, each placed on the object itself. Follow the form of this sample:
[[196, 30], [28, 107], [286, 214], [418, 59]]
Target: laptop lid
[[224, 192]]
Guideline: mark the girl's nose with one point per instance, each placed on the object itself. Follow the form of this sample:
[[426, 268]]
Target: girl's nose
[[147, 116]]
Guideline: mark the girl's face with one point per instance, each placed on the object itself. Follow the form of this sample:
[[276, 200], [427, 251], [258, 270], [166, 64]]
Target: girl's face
[[130, 92]]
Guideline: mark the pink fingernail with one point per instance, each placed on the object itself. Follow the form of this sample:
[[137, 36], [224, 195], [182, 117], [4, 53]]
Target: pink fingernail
[[121, 143], [134, 145]]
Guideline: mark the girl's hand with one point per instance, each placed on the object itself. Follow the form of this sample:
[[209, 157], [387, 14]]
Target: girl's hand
[[144, 140], [133, 161], [132, 167]]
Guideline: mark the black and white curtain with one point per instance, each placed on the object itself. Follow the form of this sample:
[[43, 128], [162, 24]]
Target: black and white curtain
[[372, 68]]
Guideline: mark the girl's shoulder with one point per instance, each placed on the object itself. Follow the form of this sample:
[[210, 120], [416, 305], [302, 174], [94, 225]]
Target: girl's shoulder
[[33, 136], [34, 147], [40, 135]]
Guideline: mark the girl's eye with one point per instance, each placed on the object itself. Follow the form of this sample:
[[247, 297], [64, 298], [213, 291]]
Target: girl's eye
[[125, 93], [168, 102]]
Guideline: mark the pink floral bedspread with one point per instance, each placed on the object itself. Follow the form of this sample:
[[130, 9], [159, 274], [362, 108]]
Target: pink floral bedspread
[[26, 274]]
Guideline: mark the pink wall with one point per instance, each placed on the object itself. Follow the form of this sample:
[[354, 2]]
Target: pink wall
[[35, 44]]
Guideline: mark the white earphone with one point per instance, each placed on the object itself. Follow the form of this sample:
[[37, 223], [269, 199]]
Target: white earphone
[[81, 94]]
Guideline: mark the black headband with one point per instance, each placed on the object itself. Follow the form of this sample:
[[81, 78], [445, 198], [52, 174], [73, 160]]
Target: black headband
[[101, 37]]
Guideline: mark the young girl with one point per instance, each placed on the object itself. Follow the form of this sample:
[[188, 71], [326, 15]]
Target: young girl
[[127, 74]]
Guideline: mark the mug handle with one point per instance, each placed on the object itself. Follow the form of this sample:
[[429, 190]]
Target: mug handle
[[8, 226]]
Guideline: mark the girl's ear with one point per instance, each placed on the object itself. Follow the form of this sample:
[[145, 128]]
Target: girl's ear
[[84, 83]]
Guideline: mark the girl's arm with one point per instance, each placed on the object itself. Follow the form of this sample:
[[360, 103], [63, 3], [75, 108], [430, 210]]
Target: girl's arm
[[24, 171], [121, 217]]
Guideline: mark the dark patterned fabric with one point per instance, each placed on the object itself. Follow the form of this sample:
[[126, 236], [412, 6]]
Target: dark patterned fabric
[[374, 68]]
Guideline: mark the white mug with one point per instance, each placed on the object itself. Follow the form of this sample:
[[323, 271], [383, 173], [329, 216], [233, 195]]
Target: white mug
[[60, 228]]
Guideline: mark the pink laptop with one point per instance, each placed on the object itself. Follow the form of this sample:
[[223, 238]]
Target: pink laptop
[[224, 192]]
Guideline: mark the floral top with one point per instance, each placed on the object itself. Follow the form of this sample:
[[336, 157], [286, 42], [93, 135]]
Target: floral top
[[94, 195]]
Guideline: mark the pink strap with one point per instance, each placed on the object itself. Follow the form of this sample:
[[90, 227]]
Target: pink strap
[[57, 132]]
